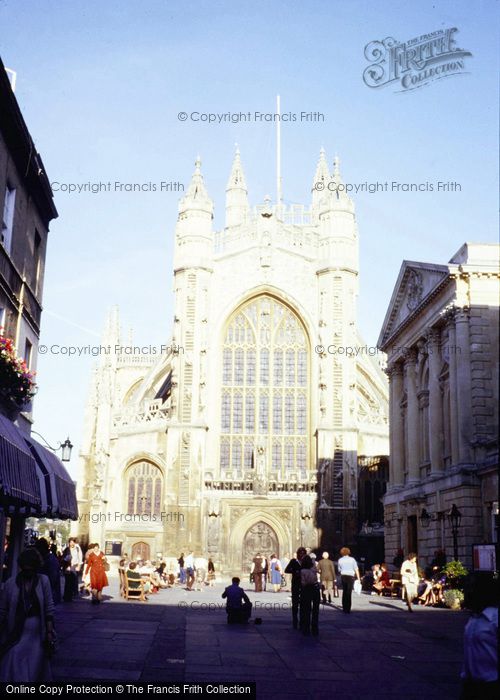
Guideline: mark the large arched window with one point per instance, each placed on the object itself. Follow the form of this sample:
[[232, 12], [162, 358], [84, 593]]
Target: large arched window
[[144, 483], [265, 401]]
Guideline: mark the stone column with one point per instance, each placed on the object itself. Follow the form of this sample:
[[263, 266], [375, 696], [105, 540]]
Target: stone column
[[412, 417], [435, 403], [452, 359], [396, 460], [462, 363]]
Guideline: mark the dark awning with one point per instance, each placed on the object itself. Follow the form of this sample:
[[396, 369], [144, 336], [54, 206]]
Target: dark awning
[[19, 483], [57, 487]]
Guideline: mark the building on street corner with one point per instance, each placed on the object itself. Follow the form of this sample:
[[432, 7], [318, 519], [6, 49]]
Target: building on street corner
[[33, 482], [441, 338]]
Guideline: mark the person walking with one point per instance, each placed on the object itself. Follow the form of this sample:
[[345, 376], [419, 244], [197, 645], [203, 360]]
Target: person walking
[[26, 623], [409, 579], [327, 576], [211, 572], [190, 571], [96, 566], [257, 570], [275, 573], [85, 587], [72, 563], [50, 568], [480, 666], [182, 569], [294, 568], [309, 597], [349, 571]]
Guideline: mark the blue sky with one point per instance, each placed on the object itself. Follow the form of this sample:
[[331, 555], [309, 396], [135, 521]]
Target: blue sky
[[101, 85]]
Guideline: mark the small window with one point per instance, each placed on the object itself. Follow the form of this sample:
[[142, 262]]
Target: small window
[[37, 259], [8, 217], [28, 351]]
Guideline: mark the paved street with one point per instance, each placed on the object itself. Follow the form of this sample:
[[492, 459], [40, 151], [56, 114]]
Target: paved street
[[380, 650]]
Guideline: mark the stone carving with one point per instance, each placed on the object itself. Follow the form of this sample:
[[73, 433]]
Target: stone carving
[[237, 513], [283, 514], [415, 288], [213, 534], [260, 480]]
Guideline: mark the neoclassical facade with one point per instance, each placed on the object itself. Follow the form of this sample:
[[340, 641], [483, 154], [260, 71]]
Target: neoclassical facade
[[244, 434], [441, 338]]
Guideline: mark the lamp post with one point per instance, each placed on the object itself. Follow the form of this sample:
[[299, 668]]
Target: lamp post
[[454, 519], [65, 447], [425, 518]]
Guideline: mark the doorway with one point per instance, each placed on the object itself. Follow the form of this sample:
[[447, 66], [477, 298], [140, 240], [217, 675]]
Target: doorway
[[412, 535], [140, 550], [259, 538]]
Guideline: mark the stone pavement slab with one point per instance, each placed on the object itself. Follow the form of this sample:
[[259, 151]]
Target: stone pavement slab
[[379, 650]]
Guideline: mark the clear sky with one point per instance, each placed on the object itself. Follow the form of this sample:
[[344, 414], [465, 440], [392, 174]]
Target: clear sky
[[101, 85]]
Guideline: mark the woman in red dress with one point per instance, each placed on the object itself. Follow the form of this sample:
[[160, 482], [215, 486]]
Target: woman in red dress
[[98, 579]]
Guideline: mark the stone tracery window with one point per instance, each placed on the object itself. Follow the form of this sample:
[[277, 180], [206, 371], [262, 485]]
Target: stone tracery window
[[265, 397], [144, 484]]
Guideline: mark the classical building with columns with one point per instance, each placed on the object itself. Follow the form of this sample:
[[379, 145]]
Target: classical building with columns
[[441, 338], [243, 435]]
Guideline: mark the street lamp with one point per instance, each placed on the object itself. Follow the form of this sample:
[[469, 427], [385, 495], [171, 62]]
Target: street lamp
[[425, 518], [65, 447], [454, 519]]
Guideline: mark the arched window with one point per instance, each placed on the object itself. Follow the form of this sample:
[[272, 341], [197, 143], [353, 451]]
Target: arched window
[[144, 483], [265, 399]]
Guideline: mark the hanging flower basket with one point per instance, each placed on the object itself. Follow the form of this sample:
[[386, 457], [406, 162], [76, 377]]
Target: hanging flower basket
[[17, 383]]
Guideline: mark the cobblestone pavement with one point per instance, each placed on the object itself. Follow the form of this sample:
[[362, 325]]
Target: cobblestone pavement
[[378, 651]]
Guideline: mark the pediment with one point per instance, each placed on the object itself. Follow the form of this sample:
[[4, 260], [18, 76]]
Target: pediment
[[415, 284]]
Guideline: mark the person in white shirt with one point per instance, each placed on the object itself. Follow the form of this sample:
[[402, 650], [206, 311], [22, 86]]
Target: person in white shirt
[[409, 579], [72, 563], [480, 668], [349, 571]]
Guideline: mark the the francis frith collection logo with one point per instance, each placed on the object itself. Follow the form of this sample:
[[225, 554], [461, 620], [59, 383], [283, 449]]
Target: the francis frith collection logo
[[414, 63]]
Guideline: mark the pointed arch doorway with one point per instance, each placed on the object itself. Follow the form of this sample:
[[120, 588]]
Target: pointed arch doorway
[[259, 538], [141, 550]]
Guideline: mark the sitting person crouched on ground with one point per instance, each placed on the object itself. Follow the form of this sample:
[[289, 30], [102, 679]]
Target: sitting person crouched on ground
[[238, 605]]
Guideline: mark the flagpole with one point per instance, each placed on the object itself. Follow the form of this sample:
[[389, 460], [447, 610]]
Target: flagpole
[[278, 154]]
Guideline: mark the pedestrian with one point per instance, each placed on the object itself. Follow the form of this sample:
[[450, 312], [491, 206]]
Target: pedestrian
[[190, 569], [275, 573], [265, 573], [309, 597], [349, 571], [409, 579], [182, 569], [50, 568], [211, 572], [257, 571], [96, 566], [85, 588], [72, 563], [327, 577], [285, 578], [238, 605], [480, 668], [294, 568], [26, 623]]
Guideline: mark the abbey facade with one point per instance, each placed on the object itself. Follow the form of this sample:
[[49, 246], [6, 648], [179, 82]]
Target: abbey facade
[[245, 434]]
